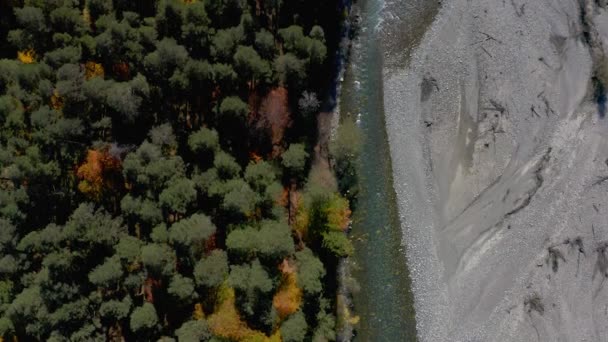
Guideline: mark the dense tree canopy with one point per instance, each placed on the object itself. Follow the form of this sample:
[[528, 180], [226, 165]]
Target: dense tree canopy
[[153, 171]]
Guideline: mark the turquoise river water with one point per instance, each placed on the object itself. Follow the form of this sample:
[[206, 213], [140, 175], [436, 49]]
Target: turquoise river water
[[384, 301]]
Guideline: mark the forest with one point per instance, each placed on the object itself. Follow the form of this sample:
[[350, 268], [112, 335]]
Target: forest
[[161, 176]]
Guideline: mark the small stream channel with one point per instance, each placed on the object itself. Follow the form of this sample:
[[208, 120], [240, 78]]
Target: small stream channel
[[384, 301]]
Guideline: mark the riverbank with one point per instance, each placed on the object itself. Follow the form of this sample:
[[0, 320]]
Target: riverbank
[[498, 157]]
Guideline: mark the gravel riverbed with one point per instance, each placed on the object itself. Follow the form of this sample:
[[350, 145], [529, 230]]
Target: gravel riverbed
[[500, 162]]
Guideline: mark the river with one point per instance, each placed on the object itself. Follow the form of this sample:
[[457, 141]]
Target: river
[[384, 301]]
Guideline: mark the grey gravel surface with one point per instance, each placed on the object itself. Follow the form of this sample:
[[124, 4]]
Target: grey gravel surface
[[500, 160]]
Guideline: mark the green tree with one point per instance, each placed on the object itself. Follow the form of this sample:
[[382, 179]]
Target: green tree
[[195, 28], [26, 310], [115, 309], [121, 42], [239, 198], [225, 42], [163, 136], [6, 294], [310, 272], [98, 8], [196, 330], [67, 19], [294, 160], [7, 234], [107, 274], [32, 31], [204, 140], [249, 64], [293, 39], [294, 328], [251, 282], [243, 242], [73, 311], [326, 326], [226, 165], [167, 56], [121, 97], [146, 210], [272, 241], [260, 175], [264, 43], [211, 271], [144, 319], [182, 289], [275, 240], [224, 76], [317, 52], [317, 33], [234, 107], [129, 248], [160, 234], [338, 243], [149, 169], [178, 196], [290, 70], [192, 232], [170, 18], [7, 328], [158, 258], [345, 151]]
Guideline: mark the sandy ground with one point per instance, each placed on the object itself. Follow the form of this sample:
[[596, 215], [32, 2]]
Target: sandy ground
[[500, 160]]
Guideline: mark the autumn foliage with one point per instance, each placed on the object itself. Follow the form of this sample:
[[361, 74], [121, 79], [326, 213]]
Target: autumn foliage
[[98, 173], [150, 284], [274, 116], [56, 100], [338, 213], [227, 323], [288, 298], [27, 56], [121, 70], [198, 313], [93, 69], [226, 320], [301, 221], [86, 16]]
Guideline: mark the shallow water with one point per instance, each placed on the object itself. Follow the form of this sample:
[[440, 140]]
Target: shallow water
[[384, 302]]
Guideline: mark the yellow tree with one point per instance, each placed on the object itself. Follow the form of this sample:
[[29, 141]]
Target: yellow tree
[[338, 213], [288, 298], [98, 173], [93, 69], [27, 56]]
